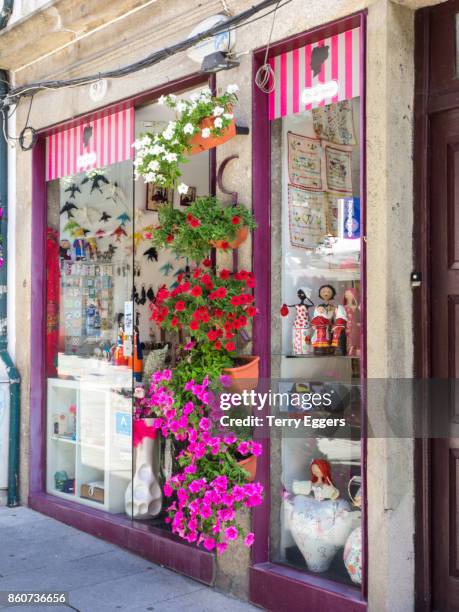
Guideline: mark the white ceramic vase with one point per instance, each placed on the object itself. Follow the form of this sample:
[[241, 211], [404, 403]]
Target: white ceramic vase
[[319, 528], [143, 497], [352, 555]]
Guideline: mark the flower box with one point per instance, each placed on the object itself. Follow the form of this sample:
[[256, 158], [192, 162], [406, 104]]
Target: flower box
[[199, 143]]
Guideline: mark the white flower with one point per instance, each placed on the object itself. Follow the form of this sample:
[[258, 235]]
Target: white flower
[[168, 134], [172, 97], [171, 157], [194, 97], [156, 150], [206, 92], [153, 165], [182, 188], [150, 177], [218, 110], [228, 115], [188, 128], [232, 89], [218, 122], [181, 107], [205, 133], [162, 100]]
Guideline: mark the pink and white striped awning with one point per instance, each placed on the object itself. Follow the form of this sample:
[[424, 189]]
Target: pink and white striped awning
[[315, 75], [95, 141]]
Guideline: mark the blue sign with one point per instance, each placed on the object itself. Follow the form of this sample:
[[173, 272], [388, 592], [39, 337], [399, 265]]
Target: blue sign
[[123, 424]]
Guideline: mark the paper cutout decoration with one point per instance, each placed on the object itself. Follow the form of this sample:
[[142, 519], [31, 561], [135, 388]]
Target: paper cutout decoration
[[304, 162]]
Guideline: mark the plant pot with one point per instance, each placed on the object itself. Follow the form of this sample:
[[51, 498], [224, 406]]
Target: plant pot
[[245, 376], [200, 144], [241, 237], [250, 465]]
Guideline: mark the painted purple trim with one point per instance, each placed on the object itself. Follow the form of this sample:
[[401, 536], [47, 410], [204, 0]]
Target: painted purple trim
[[292, 585], [37, 349], [152, 543], [281, 589]]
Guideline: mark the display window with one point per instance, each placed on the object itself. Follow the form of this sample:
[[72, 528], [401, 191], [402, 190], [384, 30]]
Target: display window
[[102, 276], [311, 208]]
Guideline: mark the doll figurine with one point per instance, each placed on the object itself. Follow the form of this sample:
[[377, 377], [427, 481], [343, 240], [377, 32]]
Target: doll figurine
[[320, 324], [339, 330], [320, 485], [327, 295], [301, 338], [352, 307]]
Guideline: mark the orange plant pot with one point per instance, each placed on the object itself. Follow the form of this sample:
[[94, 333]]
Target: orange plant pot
[[249, 465], [245, 376], [200, 144], [241, 237]]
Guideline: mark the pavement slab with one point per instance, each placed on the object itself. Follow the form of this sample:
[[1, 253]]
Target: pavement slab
[[40, 553]]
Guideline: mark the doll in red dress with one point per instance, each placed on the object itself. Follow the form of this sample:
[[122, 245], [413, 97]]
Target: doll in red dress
[[320, 324]]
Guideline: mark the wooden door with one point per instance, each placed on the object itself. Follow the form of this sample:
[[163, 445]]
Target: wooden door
[[444, 341]]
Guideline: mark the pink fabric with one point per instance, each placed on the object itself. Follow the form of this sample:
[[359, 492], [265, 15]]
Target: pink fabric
[[141, 431]]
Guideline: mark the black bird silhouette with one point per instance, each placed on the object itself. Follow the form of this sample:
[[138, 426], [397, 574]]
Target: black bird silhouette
[[105, 217], [95, 179], [67, 208], [85, 231], [151, 254], [73, 189], [151, 294]]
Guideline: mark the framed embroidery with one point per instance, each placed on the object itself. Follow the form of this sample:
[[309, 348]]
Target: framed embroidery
[[335, 122], [338, 168], [304, 162], [307, 219]]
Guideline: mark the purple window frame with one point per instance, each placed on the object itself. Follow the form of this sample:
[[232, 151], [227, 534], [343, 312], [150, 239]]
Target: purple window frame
[[151, 542], [272, 585]]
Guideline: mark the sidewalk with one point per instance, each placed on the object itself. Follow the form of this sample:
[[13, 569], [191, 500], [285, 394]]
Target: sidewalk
[[39, 553]]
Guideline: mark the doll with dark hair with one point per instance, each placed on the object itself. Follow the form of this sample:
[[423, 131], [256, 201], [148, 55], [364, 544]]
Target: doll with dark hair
[[301, 339]]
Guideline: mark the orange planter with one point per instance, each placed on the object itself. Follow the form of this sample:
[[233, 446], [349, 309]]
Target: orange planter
[[200, 144], [250, 465], [245, 376], [241, 237]]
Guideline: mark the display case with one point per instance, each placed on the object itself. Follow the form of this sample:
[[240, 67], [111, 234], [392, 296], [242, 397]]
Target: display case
[[316, 340]]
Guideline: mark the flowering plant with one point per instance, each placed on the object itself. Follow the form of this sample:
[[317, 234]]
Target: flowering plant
[[210, 306], [210, 486], [205, 223], [158, 156]]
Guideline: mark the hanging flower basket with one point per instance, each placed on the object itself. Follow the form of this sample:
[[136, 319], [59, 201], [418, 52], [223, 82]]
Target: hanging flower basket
[[244, 377], [199, 143], [249, 464]]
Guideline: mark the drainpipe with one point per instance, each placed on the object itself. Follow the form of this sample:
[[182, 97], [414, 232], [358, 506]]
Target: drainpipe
[[13, 379]]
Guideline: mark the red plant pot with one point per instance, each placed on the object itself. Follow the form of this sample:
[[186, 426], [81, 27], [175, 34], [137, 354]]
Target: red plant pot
[[249, 465], [245, 376], [200, 144], [241, 237]]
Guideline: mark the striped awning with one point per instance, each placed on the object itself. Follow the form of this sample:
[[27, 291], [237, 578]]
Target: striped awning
[[315, 75], [95, 141]]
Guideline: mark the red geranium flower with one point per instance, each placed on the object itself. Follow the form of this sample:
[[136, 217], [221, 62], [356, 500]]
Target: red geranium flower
[[236, 300], [230, 346], [196, 291], [235, 221], [218, 345], [207, 262], [229, 335], [205, 279], [221, 292], [185, 286], [250, 282], [197, 273], [180, 306], [218, 312], [174, 321], [170, 238], [194, 325], [224, 274], [193, 221], [225, 244], [228, 326], [251, 311]]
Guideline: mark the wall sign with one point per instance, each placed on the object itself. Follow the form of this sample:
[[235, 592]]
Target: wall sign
[[318, 74], [94, 141]]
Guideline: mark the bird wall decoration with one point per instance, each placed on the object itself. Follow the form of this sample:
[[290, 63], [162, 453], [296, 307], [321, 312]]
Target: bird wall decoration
[[151, 254], [96, 179]]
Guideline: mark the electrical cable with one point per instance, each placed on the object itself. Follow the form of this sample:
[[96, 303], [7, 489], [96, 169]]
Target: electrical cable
[[233, 23], [264, 77]]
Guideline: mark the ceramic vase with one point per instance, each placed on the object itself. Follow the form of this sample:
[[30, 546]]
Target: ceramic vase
[[319, 529], [143, 497], [353, 555]]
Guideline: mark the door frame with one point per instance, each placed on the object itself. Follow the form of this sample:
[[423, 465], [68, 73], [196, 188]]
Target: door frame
[[434, 92]]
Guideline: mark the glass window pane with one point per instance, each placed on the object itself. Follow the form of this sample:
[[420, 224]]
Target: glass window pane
[[315, 518]]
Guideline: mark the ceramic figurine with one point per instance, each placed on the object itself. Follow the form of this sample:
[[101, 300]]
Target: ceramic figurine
[[319, 521], [339, 330], [320, 324], [327, 295], [352, 555], [301, 338], [352, 307]]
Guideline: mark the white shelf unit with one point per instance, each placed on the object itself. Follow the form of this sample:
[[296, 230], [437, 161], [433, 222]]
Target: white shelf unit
[[102, 448]]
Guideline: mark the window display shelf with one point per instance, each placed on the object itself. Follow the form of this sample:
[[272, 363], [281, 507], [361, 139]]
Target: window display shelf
[[91, 413]]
